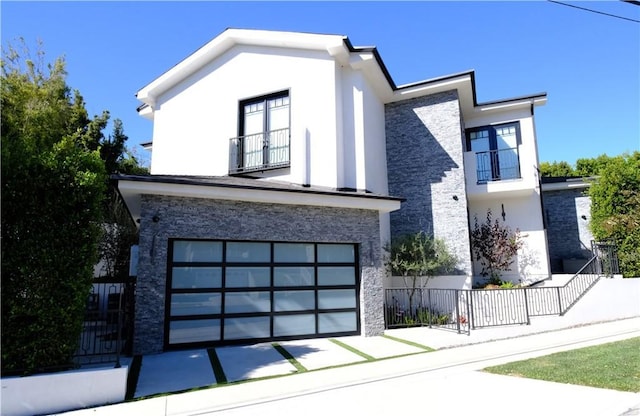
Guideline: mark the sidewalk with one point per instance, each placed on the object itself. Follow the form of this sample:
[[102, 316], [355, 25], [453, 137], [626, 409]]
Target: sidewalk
[[457, 365]]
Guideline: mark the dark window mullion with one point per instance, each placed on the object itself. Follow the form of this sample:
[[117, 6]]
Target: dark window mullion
[[271, 289], [265, 135], [175, 290], [493, 153], [197, 264], [315, 292], [195, 317], [223, 291]]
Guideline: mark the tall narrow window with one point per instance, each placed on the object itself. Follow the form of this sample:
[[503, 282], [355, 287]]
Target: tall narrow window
[[496, 149], [264, 134]]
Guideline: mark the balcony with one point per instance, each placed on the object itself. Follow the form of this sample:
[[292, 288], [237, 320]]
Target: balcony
[[495, 165], [260, 151], [497, 173]]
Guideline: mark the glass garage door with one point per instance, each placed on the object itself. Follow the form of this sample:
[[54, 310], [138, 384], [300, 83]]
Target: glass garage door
[[224, 292]]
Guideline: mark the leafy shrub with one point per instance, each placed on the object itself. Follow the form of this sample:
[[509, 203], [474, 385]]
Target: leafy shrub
[[52, 190], [418, 255], [494, 245]]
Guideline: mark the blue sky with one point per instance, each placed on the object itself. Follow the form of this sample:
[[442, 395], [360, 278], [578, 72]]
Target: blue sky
[[588, 63]]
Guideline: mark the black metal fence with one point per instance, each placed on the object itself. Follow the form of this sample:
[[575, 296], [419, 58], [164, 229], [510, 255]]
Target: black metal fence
[[260, 151], [463, 309], [107, 330], [444, 308], [579, 284], [500, 164], [607, 254]]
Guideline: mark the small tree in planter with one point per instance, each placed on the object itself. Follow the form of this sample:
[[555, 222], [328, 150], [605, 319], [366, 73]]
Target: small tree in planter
[[415, 256], [494, 245]]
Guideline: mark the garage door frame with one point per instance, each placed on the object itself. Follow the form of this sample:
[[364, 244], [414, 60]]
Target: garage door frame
[[224, 264]]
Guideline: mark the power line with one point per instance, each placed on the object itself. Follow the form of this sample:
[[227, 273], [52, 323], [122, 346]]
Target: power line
[[595, 11]]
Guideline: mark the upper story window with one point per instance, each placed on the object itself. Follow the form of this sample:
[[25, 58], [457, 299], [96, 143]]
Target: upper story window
[[496, 149], [264, 140]]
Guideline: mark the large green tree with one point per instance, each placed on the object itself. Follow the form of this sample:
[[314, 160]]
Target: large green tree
[[119, 232], [585, 167], [53, 186], [615, 209], [556, 169]]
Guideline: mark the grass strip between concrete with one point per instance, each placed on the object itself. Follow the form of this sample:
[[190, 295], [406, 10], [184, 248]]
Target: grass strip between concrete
[[289, 357], [218, 372], [132, 377], [353, 350], [413, 344]]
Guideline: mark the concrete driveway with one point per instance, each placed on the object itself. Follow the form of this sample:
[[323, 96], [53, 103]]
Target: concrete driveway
[[183, 370], [443, 382]]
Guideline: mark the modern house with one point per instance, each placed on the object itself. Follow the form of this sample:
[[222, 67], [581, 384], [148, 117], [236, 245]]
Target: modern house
[[283, 163]]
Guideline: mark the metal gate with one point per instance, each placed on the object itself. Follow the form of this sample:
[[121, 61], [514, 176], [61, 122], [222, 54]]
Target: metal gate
[[607, 254], [107, 330]]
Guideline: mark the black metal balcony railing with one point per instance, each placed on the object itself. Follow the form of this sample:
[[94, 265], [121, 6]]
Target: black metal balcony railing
[[260, 151], [495, 165]]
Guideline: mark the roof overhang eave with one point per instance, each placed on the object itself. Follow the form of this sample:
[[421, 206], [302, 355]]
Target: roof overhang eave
[[335, 45], [132, 191]]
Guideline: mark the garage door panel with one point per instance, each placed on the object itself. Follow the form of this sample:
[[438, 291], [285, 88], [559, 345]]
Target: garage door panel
[[336, 299], [293, 276], [184, 304], [247, 302], [337, 322], [294, 300], [290, 325], [248, 252], [247, 327], [293, 253], [197, 251], [335, 253], [203, 330], [248, 277], [333, 276], [196, 277]]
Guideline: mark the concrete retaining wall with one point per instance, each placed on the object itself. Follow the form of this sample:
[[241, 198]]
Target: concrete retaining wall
[[59, 392]]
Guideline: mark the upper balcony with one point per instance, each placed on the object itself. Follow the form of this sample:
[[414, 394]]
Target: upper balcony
[[500, 160], [495, 165], [496, 173], [260, 151]]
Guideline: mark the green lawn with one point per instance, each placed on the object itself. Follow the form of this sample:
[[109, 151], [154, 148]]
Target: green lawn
[[613, 366]]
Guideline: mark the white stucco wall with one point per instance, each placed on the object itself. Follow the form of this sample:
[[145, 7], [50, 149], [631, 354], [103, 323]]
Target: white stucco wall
[[435, 282], [336, 120], [194, 121], [523, 213]]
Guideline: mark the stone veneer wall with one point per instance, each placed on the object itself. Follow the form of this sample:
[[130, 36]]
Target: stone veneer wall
[[425, 145], [218, 219], [568, 233]]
